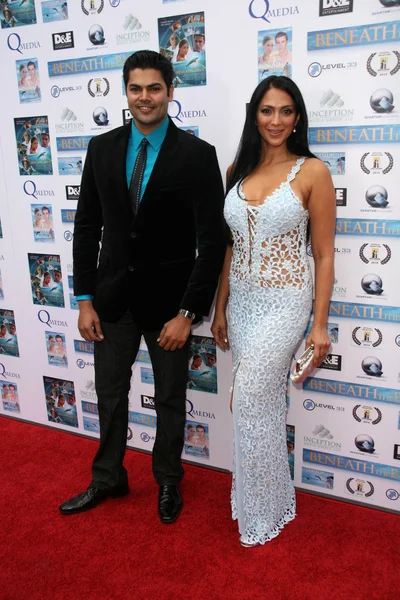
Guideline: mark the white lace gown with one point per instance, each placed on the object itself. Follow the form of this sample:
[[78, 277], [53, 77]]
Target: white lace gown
[[268, 310]]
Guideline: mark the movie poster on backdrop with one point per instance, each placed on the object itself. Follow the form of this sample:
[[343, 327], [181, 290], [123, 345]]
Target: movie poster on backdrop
[[9, 396], [335, 161], [196, 440], [8, 333], [70, 165], [203, 364], [42, 222], [56, 349], [15, 13], [28, 80], [60, 401], [33, 145], [1, 287], [275, 52], [54, 10], [182, 40], [290, 442], [46, 279]]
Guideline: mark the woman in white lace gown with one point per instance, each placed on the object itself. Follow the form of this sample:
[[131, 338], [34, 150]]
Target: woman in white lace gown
[[275, 186]]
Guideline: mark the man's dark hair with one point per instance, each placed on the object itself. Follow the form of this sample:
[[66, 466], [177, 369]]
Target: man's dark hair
[[148, 59]]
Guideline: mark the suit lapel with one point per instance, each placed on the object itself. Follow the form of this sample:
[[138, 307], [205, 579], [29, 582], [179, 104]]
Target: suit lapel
[[118, 160]]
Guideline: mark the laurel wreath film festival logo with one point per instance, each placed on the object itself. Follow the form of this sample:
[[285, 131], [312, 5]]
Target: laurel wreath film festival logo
[[382, 64], [92, 7], [378, 163]]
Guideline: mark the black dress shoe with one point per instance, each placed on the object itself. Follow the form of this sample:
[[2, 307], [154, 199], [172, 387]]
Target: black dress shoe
[[91, 498], [169, 503]]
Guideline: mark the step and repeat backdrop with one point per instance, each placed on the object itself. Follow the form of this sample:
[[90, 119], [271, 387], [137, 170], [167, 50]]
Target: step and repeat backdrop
[[61, 68]]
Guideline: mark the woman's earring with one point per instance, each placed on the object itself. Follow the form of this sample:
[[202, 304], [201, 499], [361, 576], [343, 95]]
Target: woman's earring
[[294, 129]]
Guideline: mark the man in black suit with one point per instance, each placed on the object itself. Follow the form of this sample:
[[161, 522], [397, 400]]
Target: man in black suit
[[152, 195]]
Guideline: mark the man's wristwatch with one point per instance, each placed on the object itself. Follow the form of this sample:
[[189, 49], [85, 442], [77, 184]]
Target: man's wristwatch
[[187, 314]]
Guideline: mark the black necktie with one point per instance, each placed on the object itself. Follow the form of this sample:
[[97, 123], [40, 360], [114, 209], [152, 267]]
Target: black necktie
[[137, 176]]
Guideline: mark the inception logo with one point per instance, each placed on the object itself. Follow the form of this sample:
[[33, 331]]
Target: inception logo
[[379, 163], [176, 112], [72, 192], [322, 438], [100, 86], [332, 109], [373, 253], [133, 32], [64, 40], [69, 123], [341, 196], [334, 7], [92, 7]]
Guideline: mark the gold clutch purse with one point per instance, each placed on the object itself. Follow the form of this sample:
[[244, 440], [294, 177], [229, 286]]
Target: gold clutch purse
[[303, 366]]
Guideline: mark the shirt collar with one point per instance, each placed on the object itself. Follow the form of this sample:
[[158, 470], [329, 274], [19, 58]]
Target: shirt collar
[[155, 138]]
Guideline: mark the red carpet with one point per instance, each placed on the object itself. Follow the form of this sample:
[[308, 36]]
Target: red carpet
[[120, 550]]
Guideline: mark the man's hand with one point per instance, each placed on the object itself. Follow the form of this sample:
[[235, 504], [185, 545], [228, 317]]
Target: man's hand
[[175, 333], [89, 322]]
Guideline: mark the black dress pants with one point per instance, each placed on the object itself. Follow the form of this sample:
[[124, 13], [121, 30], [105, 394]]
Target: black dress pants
[[113, 360]]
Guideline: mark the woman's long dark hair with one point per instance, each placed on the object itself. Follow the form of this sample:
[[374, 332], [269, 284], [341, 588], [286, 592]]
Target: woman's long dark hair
[[249, 151]]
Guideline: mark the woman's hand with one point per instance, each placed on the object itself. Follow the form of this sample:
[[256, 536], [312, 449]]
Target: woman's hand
[[219, 330], [320, 338]]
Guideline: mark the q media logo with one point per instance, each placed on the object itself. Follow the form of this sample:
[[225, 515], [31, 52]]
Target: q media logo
[[30, 189], [333, 362], [92, 7], [367, 414], [72, 192], [378, 254], [381, 101], [328, 8], [383, 63], [96, 35], [261, 9], [372, 366], [147, 402], [99, 86], [360, 487], [377, 196], [44, 317], [341, 196], [100, 116], [392, 494], [15, 43], [366, 337], [176, 112], [133, 32], [372, 284], [365, 443], [8, 374], [378, 163], [192, 412], [63, 40]]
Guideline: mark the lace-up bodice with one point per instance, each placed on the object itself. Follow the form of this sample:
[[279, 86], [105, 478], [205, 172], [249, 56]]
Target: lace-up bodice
[[270, 239]]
